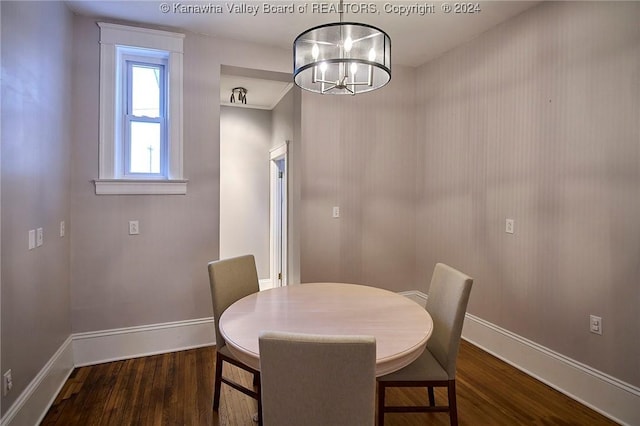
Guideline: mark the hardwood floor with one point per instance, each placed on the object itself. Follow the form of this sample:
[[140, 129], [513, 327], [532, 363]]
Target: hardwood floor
[[177, 389]]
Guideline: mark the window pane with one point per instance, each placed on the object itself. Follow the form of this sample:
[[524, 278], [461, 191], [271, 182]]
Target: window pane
[[144, 156], [145, 91]]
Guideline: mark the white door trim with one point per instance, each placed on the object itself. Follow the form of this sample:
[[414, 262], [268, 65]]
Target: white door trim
[[278, 217]]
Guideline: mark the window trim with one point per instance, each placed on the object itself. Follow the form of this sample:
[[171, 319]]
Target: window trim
[[111, 179]]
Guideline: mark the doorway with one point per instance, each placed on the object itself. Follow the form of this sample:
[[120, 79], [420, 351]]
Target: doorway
[[254, 169]]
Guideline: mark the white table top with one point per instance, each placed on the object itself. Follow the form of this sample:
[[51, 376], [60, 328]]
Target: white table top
[[401, 327]]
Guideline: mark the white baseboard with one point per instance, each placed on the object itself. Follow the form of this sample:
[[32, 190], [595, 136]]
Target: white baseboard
[[82, 349], [265, 284], [123, 343], [605, 394], [35, 400], [417, 296]]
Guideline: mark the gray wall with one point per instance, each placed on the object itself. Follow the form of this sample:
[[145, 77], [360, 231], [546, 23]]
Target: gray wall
[[245, 140], [539, 120], [36, 142], [294, 190], [160, 275], [282, 120], [358, 153], [285, 122]]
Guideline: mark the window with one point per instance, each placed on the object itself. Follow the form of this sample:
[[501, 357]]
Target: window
[[144, 116], [140, 111]]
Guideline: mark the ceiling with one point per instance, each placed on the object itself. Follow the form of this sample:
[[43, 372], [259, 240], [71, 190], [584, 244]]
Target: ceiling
[[416, 37]]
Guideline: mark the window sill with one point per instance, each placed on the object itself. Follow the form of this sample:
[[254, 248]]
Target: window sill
[[140, 187]]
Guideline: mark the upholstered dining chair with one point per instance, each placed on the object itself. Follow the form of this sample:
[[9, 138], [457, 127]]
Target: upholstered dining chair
[[317, 380], [230, 280], [436, 367]]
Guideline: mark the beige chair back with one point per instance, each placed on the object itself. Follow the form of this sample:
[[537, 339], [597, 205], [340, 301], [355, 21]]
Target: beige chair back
[[231, 280], [317, 380], [447, 305]]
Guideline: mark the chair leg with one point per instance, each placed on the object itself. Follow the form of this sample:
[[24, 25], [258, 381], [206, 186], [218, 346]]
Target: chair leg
[[453, 405], [259, 404], [432, 397], [217, 384], [381, 390]]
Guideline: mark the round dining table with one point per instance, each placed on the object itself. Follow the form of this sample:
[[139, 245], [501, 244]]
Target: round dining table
[[400, 326]]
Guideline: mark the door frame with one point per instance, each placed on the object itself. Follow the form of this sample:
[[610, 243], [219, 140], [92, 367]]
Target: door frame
[[278, 208]]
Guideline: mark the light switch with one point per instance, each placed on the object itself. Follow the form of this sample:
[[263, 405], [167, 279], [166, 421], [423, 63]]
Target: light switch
[[32, 239], [336, 212], [62, 229], [39, 237], [595, 324]]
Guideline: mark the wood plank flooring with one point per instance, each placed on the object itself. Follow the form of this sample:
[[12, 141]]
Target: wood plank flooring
[[177, 389]]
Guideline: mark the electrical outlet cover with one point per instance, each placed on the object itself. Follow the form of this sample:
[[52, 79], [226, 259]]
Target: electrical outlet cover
[[7, 382], [509, 226], [134, 227]]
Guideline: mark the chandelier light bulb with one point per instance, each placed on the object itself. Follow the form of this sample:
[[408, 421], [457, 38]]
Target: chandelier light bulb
[[323, 67], [315, 51], [348, 44], [372, 55], [354, 68]]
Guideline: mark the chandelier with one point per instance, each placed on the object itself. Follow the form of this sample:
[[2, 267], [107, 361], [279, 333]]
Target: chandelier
[[342, 58]]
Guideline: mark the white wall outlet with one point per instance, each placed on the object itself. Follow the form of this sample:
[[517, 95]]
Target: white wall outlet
[[595, 324], [336, 212], [32, 239], [7, 382], [62, 229], [39, 237], [509, 226], [134, 228]]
